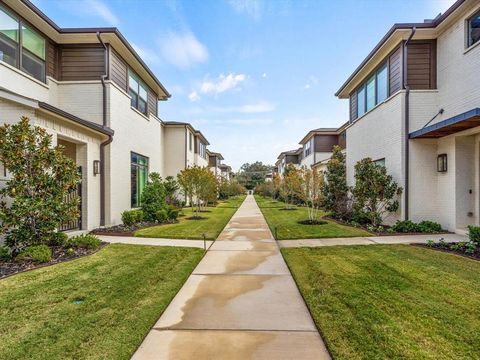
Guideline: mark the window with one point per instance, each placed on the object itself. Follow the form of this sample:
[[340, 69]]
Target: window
[[21, 46], [382, 84], [138, 91], [139, 177], [373, 91], [370, 88], [190, 142], [474, 29], [380, 162], [202, 150], [307, 148]]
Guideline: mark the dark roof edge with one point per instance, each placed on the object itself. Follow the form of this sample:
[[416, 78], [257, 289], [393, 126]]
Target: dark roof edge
[[399, 26], [114, 30], [91, 125]]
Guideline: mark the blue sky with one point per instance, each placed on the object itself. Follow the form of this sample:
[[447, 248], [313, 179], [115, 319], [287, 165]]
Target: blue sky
[[253, 75]]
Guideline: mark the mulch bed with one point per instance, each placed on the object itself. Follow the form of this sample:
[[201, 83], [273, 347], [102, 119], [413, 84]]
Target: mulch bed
[[438, 247], [288, 209], [312, 222], [196, 218], [59, 254], [124, 230]]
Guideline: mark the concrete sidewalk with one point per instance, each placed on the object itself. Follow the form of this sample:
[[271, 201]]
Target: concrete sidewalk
[[241, 302], [372, 240], [155, 241]]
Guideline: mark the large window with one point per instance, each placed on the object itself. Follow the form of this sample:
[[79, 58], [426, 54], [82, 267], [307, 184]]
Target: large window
[[373, 91], [21, 46], [474, 29], [202, 150], [190, 141], [138, 91], [307, 148], [139, 177]]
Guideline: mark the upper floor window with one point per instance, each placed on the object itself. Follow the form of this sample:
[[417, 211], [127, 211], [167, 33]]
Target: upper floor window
[[373, 91], [202, 150], [474, 29], [190, 141], [138, 91], [308, 148], [21, 46]]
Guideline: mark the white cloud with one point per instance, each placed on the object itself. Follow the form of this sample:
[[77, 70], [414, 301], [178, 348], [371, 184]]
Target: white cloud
[[264, 75], [222, 83], [101, 10], [147, 54], [193, 96], [251, 8], [182, 50], [259, 107], [312, 81]]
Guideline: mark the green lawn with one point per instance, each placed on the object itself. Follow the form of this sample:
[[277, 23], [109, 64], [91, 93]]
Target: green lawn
[[124, 289], [391, 301], [288, 227], [212, 226]]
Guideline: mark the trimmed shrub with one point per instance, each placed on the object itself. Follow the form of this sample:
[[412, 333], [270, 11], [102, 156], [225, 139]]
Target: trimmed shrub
[[474, 234], [132, 217], [172, 213], [153, 197], [405, 226], [427, 226], [58, 239], [161, 215], [5, 252], [84, 241], [37, 253]]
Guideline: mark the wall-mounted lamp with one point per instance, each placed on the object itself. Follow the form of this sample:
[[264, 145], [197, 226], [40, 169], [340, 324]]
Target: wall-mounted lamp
[[442, 163], [96, 167]]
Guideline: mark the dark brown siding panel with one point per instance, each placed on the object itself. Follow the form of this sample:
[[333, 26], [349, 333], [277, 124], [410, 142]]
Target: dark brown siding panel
[[421, 65], [51, 62], [324, 143], [82, 62], [118, 70], [152, 102], [342, 139], [395, 71], [353, 106]]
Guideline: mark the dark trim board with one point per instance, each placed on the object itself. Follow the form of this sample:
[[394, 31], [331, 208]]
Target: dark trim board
[[464, 121]]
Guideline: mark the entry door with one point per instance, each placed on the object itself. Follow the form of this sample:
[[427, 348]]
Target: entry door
[[74, 224]]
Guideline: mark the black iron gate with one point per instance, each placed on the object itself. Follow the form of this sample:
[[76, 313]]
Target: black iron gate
[[74, 224]]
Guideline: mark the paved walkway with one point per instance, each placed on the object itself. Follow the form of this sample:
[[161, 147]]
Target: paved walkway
[[240, 302], [394, 239], [155, 241]]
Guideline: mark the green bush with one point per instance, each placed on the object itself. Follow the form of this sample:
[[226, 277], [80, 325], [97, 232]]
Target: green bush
[[58, 239], [37, 253], [172, 213], [132, 217], [405, 226], [5, 252], [474, 234], [427, 226], [153, 197], [161, 215], [85, 241]]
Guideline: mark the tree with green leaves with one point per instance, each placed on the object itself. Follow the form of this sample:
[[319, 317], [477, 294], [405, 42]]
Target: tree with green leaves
[[153, 197], [375, 192], [335, 189], [171, 188], [290, 185], [250, 175], [41, 177]]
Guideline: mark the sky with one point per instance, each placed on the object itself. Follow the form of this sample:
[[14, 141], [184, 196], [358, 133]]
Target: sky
[[253, 75]]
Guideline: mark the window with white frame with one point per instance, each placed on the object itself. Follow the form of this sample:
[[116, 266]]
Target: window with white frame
[[138, 92], [474, 29], [307, 148], [202, 150], [21, 46]]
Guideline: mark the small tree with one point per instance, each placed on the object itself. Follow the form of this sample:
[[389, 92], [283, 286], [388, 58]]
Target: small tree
[[310, 191], [186, 181], [171, 188], [41, 177], [290, 185], [335, 189], [153, 197], [375, 192], [207, 190]]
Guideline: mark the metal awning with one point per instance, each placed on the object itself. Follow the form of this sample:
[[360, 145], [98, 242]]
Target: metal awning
[[455, 124]]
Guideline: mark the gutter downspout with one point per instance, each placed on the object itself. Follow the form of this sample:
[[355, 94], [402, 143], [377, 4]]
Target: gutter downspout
[[186, 146], [108, 141], [407, 121]]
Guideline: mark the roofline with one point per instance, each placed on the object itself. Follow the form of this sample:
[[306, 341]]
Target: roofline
[[327, 131], [91, 125], [113, 30], [181, 123], [400, 26]]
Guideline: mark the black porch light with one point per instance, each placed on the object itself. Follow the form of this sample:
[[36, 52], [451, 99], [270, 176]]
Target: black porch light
[[442, 163], [96, 167]]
